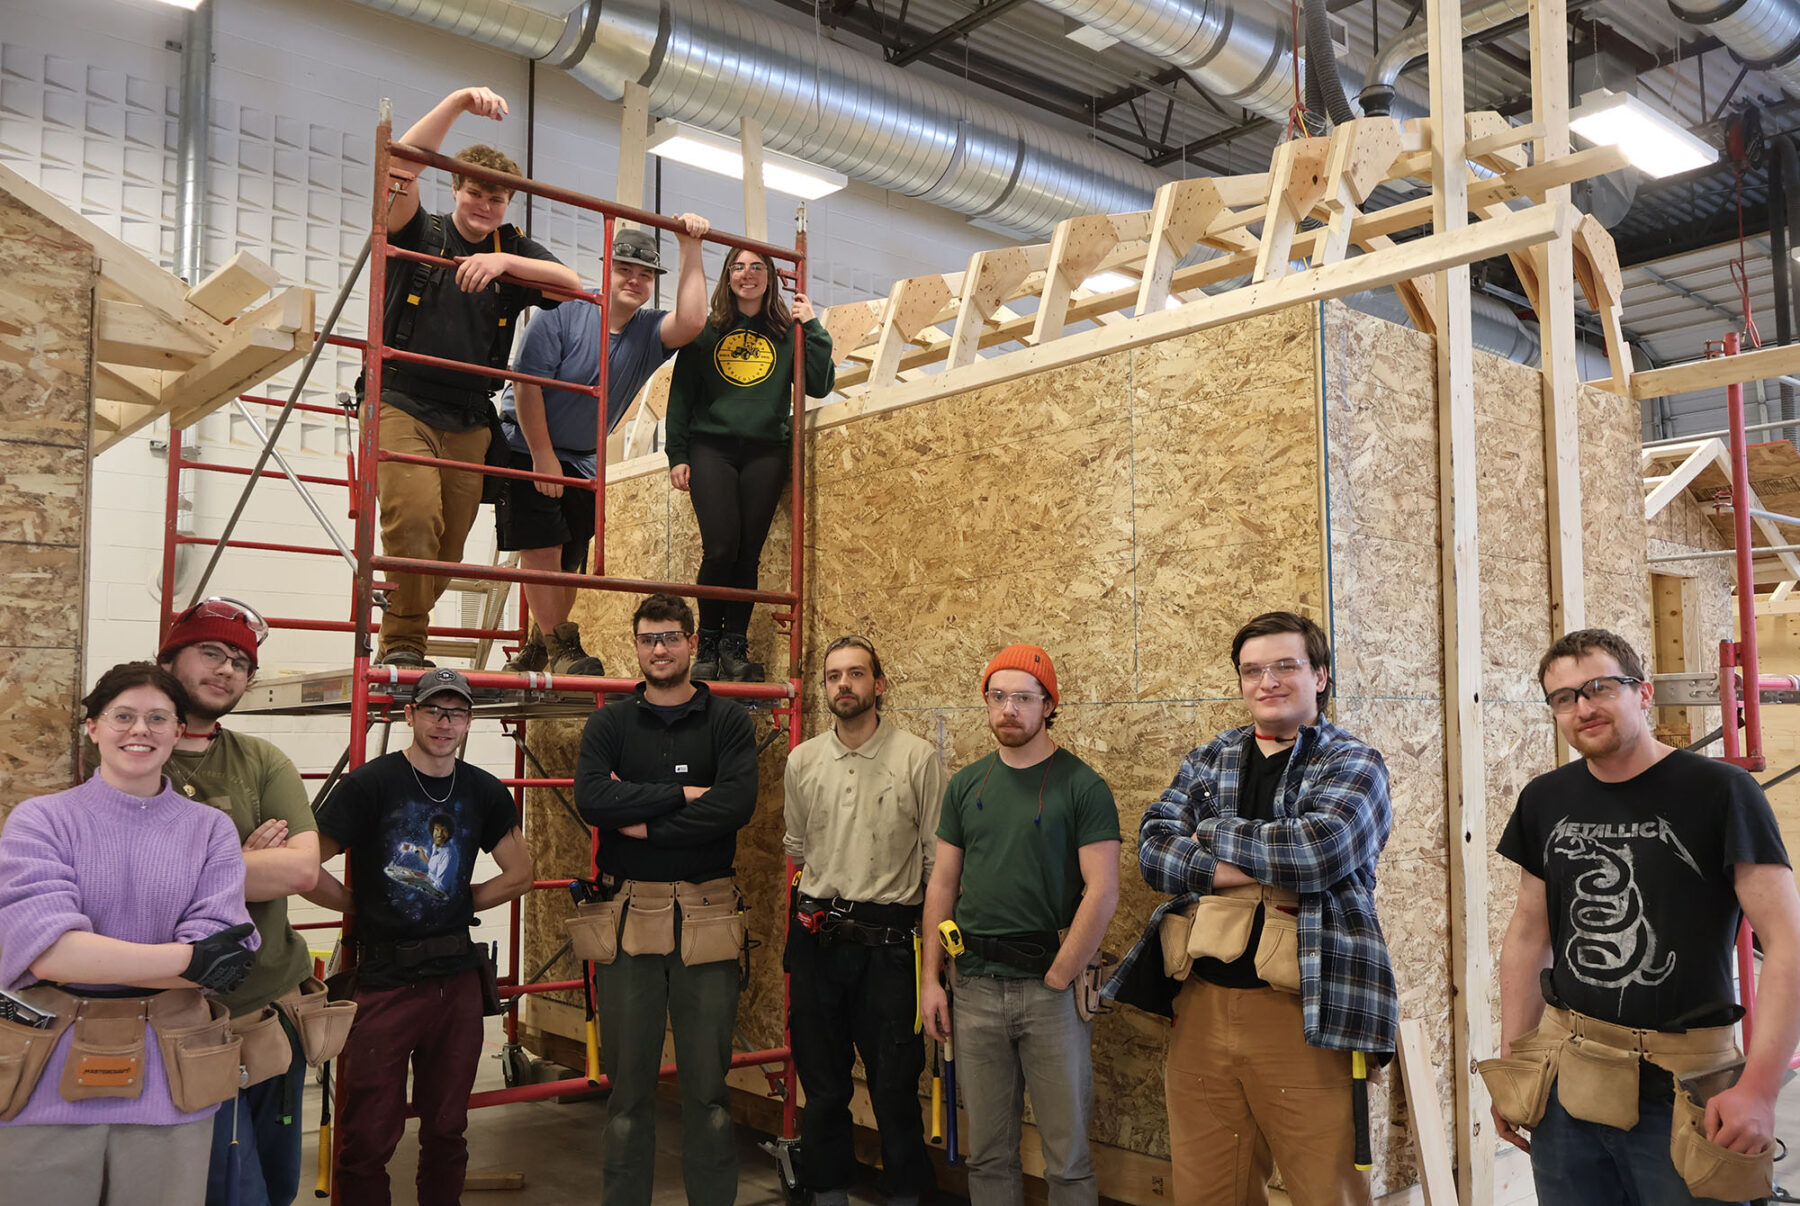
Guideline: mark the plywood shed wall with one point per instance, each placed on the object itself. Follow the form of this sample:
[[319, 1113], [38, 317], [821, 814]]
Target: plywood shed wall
[[1129, 513], [1778, 647], [46, 406]]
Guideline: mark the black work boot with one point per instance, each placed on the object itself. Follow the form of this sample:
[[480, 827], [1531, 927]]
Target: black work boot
[[566, 654], [706, 658], [735, 665], [532, 655]]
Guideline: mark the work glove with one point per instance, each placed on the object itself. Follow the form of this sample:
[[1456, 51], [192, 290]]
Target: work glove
[[220, 961]]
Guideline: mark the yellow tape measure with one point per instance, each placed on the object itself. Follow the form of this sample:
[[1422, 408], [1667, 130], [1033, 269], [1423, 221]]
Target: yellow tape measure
[[951, 938]]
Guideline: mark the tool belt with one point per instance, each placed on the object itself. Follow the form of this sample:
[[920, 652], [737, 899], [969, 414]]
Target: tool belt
[[408, 954], [1032, 953], [638, 918], [323, 1025], [1218, 926], [206, 1056], [1595, 1067], [838, 920]]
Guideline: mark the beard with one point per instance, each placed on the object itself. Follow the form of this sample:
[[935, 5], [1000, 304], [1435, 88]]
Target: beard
[[1018, 735], [674, 676], [849, 707]]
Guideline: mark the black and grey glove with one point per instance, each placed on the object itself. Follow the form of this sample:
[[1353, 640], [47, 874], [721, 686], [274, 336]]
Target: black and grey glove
[[220, 961]]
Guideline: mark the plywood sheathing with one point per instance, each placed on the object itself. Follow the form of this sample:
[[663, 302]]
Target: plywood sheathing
[[1778, 650], [46, 389], [1129, 513]]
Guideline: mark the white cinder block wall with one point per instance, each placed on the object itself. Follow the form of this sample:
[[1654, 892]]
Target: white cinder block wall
[[88, 106]]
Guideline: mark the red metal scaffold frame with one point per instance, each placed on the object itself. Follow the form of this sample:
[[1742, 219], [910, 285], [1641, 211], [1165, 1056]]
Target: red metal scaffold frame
[[376, 689]]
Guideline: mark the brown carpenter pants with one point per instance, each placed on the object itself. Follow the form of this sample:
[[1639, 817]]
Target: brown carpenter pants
[[1245, 1091], [426, 513]]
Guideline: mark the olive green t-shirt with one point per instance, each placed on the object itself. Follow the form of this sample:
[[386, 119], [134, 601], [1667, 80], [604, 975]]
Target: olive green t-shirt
[[1021, 867], [254, 782]]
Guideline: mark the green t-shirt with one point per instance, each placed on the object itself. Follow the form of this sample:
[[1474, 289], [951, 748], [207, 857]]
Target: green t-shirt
[[1021, 867], [254, 782]]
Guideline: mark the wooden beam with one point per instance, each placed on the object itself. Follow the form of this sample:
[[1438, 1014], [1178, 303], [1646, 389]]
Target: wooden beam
[[632, 436], [134, 386], [1403, 261], [233, 285], [1666, 491], [145, 337], [1465, 758], [119, 421], [634, 148], [756, 197], [1076, 247], [1420, 1079], [989, 280], [262, 343], [1296, 184], [1183, 211], [1362, 151], [911, 305], [1597, 268], [1779, 360]]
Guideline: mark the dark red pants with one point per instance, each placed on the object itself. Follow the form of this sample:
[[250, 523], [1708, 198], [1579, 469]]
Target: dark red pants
[[436, 1025]]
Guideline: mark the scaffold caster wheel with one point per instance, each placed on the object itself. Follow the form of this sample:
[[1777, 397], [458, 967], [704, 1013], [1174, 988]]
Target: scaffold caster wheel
[[786, 1154], [515, 1065]]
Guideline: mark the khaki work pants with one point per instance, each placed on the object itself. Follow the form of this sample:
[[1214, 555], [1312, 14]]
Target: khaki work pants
[[106, 1164], [1245, 1091], [426, 513]]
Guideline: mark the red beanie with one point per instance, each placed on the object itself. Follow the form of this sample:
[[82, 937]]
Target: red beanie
[[229, 630], [1031, 660]]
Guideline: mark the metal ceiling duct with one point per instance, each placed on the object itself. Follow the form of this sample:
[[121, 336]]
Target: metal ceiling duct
[[1763, 34], [1413, 42], [709, 62]]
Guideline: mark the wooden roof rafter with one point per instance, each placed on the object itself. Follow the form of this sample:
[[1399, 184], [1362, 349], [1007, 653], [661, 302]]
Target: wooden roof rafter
[[163, 348]]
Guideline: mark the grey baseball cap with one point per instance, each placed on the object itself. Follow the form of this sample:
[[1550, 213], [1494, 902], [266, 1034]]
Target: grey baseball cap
[[637, 247], [435, 682]]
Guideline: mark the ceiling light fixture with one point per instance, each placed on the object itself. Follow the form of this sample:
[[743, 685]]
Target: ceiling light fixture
[[1087, 35], [1653, 141], [724, 155], [190, 5]]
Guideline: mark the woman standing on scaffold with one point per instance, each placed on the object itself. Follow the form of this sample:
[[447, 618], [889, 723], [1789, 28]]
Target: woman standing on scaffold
[[729, 421]]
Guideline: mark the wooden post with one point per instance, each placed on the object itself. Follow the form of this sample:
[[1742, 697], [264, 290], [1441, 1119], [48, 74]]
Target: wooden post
[[1556, 328], [634, 148], [1465, 763], [756, 199]]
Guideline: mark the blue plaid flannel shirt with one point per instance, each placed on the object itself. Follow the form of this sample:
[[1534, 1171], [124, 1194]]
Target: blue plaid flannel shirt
[[1333, 818]]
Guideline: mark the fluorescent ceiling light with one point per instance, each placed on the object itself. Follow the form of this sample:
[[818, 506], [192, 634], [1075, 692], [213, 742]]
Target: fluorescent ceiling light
[[190, 5], [1087, 35], [1653, 141], [1108, 282], [724, 155]]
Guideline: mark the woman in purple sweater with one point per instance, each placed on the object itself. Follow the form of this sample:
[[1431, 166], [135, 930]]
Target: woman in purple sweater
[[120, 888]]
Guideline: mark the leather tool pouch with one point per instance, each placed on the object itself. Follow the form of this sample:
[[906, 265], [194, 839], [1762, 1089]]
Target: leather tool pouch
[[1089, 1004], [1174, 929], [266, 1051], [1278, 950], [106, 1052], [25, 1050], [1712, 1171], [1598, 1083], [649, 918], [1520, 1083], [594, 930], [1221, 927], [493, 1005], [323, 1024], [713, 927], [200, 1059]]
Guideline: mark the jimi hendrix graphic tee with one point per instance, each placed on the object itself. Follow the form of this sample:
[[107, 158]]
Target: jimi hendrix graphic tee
[[1638, 877], [412, 841]]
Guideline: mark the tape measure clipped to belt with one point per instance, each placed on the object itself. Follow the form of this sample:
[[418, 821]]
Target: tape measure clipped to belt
[[950, 938]]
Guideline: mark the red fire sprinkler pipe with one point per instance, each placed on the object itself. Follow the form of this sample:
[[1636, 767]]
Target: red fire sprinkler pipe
[[1752, 757]]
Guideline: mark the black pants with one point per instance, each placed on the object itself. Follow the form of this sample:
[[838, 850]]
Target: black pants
[[735, 485], [847, 995]]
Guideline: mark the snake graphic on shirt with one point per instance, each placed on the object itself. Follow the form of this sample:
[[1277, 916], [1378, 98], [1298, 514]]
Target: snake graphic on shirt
[[1612, 943]]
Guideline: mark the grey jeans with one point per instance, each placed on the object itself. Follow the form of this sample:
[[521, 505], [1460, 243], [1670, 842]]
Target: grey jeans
[[107, 1164], [1014, 1036]]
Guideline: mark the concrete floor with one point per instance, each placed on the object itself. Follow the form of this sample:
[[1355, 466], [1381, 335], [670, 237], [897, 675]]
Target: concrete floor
[[557, 1148]]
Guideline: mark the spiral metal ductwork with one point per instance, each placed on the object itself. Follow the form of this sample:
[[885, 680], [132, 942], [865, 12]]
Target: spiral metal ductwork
[[709, 62], [1763, 34], [1412, 44]]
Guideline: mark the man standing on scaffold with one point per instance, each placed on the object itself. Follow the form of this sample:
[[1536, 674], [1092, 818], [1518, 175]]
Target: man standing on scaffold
[[465, 315]]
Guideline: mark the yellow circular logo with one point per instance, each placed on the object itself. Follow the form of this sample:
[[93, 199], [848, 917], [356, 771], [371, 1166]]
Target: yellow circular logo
[[744, 357]]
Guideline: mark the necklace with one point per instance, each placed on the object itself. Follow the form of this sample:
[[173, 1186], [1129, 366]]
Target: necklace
[[1278, 740], [187, 780], [434, 799]]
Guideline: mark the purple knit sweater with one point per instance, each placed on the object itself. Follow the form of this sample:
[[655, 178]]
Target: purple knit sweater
[[165, 869]]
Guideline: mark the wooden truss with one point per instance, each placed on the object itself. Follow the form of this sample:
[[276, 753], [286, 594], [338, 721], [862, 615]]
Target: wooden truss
[[928, 339], [1703, 468], [162, 347]]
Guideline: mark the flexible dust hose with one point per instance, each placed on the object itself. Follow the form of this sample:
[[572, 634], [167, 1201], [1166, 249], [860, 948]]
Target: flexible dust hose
[[1321, 64]]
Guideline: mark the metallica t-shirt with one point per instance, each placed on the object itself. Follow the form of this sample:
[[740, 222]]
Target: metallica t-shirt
[[1638, 878], [412, 841]]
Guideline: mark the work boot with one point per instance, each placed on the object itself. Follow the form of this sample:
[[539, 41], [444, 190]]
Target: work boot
[[735, 665], [566, 654], [532, 657], [402, 658], [706, 658]]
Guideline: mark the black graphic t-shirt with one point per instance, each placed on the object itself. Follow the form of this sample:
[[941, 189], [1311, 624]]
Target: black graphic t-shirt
[[412, 842], [1638, 878]]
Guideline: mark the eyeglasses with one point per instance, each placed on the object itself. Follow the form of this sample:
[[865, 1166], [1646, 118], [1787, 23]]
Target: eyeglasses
[[1601, 690], [754, 268], [123, 720], [1286, 668], [216, 656], [218, 607], [650, 640], [453, 715], [1018, 699]]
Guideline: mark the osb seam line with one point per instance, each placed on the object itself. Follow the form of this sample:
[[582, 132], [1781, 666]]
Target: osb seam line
[[1137, 617], [1325, 534]]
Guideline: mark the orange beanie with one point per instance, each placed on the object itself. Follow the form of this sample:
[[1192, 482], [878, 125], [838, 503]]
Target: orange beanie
[[1029, 658]]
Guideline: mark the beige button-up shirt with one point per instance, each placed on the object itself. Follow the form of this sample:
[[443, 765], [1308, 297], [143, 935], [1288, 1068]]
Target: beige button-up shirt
[[863, 821]]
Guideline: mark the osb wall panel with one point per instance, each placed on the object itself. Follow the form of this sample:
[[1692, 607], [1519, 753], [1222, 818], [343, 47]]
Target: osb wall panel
[[46, 336], [1778, 648]]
